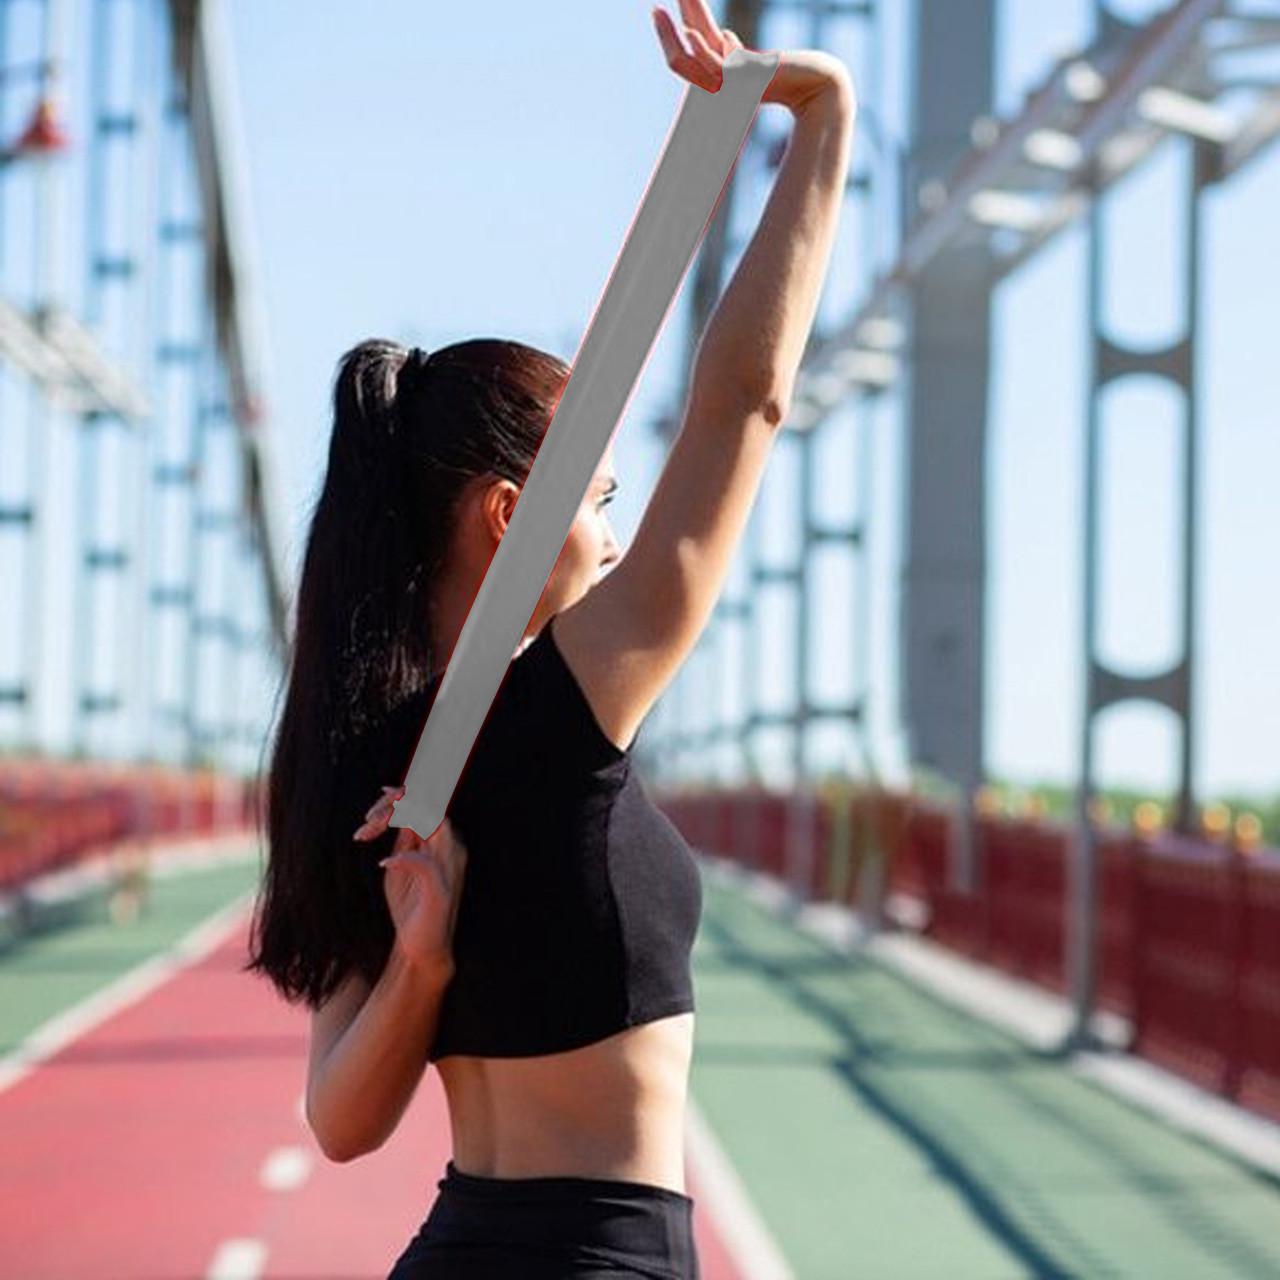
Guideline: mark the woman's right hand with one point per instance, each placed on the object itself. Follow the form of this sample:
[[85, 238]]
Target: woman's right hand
[[422, 884], [801, 75]]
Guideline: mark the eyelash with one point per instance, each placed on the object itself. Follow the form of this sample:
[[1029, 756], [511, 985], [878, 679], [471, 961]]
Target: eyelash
[[608, 498]]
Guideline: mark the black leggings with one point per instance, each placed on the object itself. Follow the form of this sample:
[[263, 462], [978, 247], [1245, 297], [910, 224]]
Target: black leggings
[[547, 1228]]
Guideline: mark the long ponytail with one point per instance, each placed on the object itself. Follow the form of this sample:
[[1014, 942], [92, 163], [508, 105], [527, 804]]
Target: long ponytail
[[411, 431]]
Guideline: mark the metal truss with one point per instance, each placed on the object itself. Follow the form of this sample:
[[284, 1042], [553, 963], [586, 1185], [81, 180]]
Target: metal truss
[[160, 119], [203, 62], [1098, 115], [66, 361]]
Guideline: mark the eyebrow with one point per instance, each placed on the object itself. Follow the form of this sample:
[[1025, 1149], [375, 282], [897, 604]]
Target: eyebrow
[[611, 485]]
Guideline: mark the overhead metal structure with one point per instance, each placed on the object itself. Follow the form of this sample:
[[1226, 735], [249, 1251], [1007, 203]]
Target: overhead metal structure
[[65, 360], [201, 52], [1098, 115], [114, 156], [160, 367]]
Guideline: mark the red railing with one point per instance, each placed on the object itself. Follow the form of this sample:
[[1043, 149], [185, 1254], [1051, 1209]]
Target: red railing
[[53, 813], [1188, 931]]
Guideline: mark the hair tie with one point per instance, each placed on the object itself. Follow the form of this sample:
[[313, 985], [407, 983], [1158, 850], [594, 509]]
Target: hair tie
[[415, 365], [406, 375], [415, 361], [408, 378]]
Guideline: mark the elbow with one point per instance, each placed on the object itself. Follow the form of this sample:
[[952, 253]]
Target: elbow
[[331, 1150], [332, 1147], [337, 1153]]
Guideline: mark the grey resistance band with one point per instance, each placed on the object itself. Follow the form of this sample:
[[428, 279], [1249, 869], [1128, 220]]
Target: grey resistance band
[[674, 213]]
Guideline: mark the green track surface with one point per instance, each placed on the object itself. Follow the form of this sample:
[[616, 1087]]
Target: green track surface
[[881, 1134], [44, 973], [884, 1135]]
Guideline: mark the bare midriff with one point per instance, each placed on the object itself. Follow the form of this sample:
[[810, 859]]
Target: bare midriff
[[613, 1109]]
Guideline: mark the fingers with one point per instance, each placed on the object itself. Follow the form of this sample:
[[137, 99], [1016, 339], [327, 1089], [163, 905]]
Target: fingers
[[671, 46], [707, 58], [379, 815], [442, 855], [697, 16], [444, 846], [406, 838], [387, 800], [371, 829], [702, 70]]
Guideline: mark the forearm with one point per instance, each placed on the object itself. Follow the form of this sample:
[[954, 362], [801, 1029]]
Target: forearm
[[364, 1084], [755, 338]]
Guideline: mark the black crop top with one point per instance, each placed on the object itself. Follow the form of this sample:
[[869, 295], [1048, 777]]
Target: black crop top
[[581, 899]]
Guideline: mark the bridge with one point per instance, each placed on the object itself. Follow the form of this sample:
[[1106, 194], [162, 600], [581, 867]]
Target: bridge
[[976, 753]]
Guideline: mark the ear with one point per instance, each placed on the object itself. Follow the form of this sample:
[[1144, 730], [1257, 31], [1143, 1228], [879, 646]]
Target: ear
[[496, 506]]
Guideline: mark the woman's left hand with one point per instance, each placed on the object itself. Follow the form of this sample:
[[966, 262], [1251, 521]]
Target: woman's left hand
[[423, 884]]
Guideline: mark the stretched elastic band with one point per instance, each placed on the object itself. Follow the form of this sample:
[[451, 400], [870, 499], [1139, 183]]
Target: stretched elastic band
[[682, 194]]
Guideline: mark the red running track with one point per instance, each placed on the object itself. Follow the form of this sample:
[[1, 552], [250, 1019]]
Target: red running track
[[137, 1151]]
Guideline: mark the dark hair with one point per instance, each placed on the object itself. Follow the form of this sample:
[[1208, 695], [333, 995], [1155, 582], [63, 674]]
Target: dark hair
[[409, 434]]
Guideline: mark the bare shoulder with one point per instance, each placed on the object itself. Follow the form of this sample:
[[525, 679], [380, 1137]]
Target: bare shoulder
[[626, 639], [614, 661]]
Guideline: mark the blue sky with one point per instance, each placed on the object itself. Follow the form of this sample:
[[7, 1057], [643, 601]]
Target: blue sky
[[431, 173]]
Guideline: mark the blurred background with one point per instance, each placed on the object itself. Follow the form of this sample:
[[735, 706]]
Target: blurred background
[[978, 753]]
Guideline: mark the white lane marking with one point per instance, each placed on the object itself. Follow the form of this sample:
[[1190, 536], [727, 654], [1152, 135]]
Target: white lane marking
[[285, 1169], [721, 1192], [240, 1259], [129, 988]]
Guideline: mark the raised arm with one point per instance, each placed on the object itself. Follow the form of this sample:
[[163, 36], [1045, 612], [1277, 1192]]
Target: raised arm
[[757, 333], [627, 637]]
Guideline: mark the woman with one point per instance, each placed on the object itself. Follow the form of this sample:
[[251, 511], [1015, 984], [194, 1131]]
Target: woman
[[554, 993]]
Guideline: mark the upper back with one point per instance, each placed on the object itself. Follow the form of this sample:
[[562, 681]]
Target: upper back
[[581, 899]]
